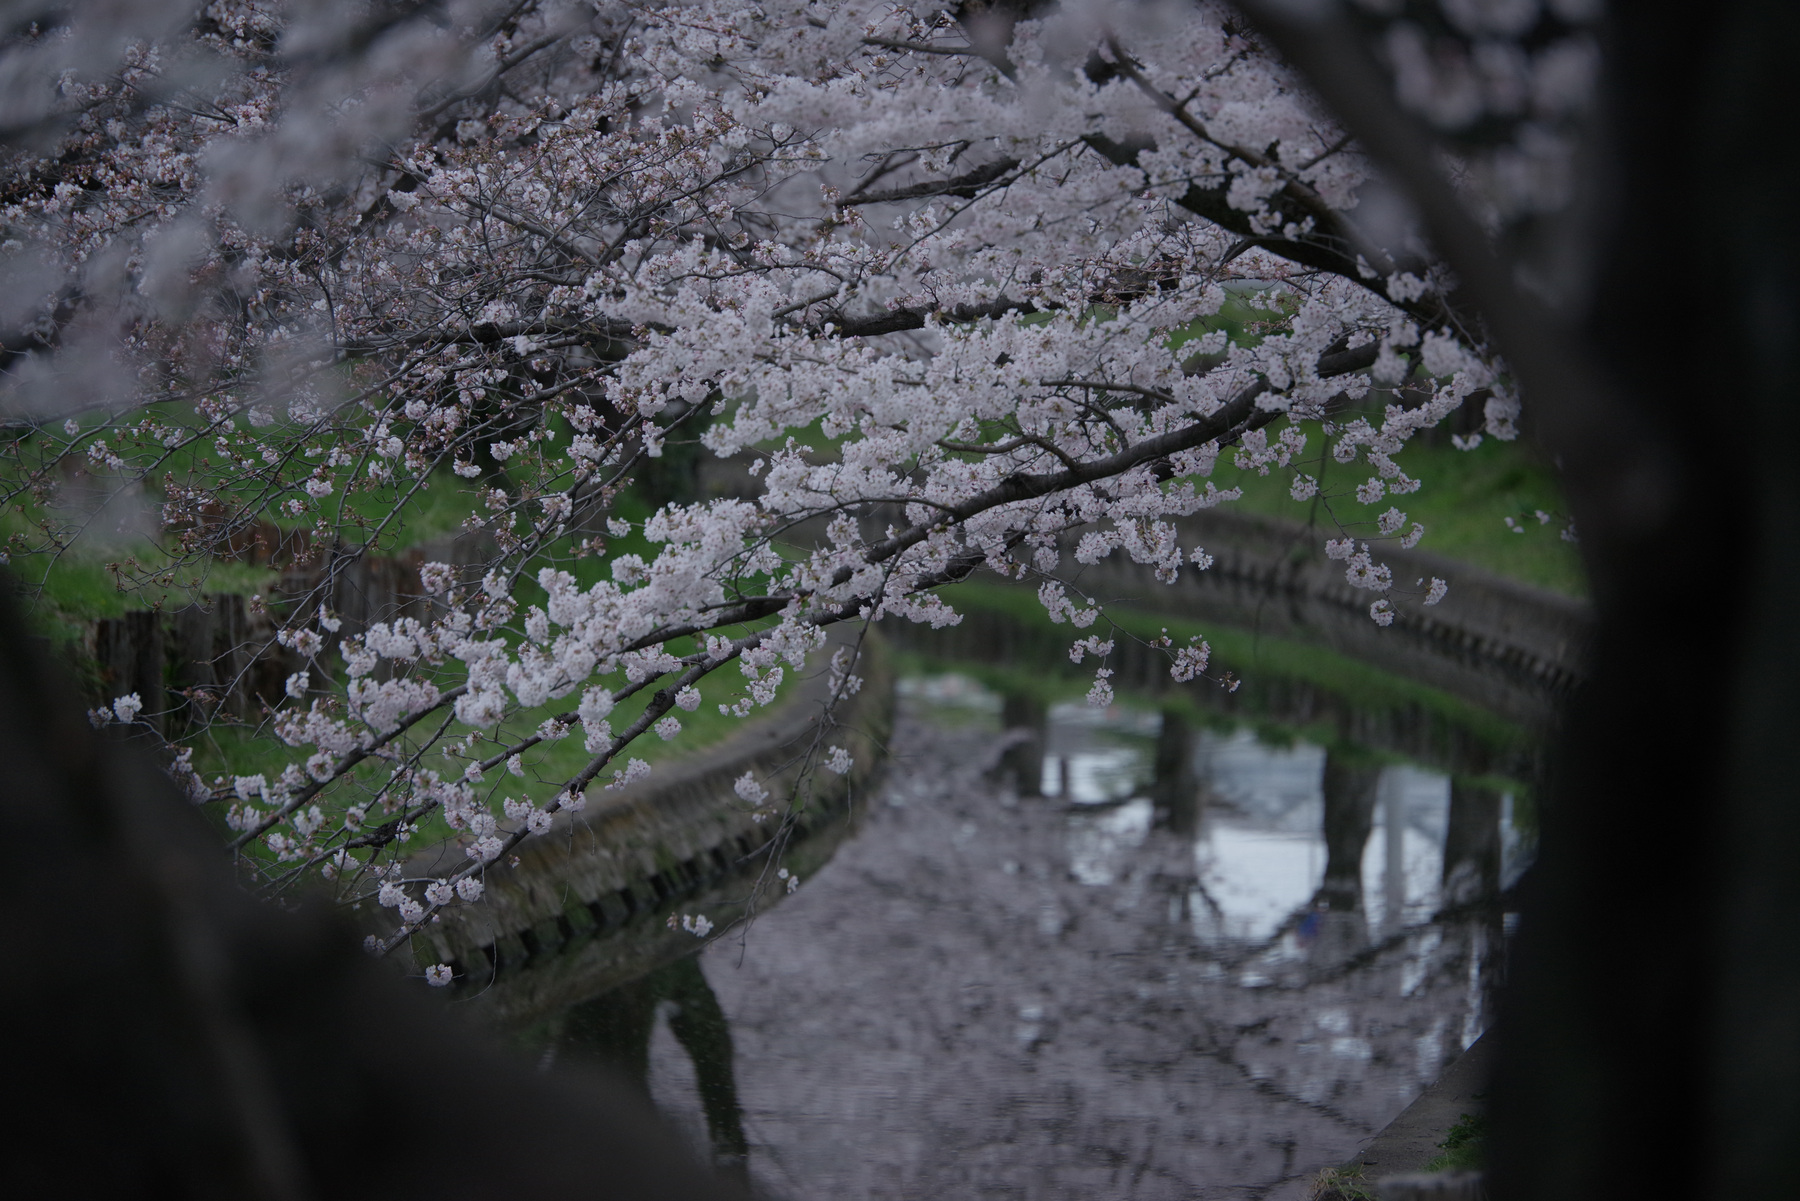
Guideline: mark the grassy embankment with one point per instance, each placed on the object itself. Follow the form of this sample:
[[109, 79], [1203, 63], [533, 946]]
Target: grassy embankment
[[1466, 499]]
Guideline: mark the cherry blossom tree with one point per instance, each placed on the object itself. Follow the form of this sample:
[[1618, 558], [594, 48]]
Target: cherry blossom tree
[[959, 281], [956, 285]]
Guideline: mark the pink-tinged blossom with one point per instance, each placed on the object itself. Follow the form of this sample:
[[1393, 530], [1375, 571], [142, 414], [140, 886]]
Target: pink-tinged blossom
[[749, 790], [1340, 548], [1412, 536], [1092, 645], [304, 642], [127, 707], [688, 698], [469, 888], [438, 975], [482, 707], [633, 771], [1382, 612], [1304, 487], [1438, 590], [839, 760], [439, 892], [1190, 662], [1390, 521], [1101, 694], [667, 727], [436, 578], [1364, 572], [1370, 491], [1056, 603]]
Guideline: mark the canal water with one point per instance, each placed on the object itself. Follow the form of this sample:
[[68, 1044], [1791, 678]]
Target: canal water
[[1105, 953]]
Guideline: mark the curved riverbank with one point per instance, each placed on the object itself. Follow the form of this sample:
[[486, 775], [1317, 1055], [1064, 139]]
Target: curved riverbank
[[584, 907], [1515, 650]]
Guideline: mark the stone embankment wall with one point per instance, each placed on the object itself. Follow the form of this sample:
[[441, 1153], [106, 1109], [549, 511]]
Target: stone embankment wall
[[682, 835], [1393, 724], [586, 905], [1493, 645], [1514, 650]]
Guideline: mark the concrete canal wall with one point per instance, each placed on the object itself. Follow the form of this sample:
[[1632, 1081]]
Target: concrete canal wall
[[1514, 650], [586, 905]]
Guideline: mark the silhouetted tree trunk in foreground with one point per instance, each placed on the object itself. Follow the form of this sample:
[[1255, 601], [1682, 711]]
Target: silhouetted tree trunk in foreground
[[173, 1037], [1649, 1043]]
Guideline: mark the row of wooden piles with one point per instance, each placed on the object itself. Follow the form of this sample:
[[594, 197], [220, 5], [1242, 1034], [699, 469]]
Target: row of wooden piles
[[218, 658]]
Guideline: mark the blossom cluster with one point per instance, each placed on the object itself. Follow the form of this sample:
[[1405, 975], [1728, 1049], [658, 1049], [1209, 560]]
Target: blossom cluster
[[958, 305]]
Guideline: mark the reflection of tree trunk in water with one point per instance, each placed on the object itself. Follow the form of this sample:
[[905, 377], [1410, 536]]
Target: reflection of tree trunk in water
[[1336, 928], [1351, 787], [1472, 877], [1471, 845], [1024, 759], [1176, 787], [615, 1028]]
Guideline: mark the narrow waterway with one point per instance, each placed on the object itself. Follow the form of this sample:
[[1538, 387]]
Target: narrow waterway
[[1202, 965]]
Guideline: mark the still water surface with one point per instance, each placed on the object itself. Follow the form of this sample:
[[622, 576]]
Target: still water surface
[[1093, 992]]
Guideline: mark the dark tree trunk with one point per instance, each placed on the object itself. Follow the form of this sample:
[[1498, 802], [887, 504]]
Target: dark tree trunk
[[179, 1039], [1650, 1041]]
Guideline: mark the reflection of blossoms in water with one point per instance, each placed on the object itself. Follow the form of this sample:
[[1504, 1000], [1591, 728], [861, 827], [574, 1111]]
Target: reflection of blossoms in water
[[967, 946], [697, 924]]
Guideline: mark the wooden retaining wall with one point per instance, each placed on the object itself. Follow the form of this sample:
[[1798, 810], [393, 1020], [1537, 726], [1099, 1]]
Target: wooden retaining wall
[[218, 656]]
